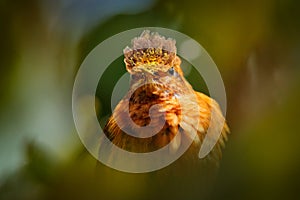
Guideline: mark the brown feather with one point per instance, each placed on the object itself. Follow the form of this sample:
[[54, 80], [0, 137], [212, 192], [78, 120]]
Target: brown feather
[[165, 90]]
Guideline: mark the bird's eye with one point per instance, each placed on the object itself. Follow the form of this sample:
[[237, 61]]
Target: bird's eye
[[133, 76], [171, 71]]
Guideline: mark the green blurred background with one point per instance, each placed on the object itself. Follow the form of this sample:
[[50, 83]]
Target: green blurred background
[[255, 44]]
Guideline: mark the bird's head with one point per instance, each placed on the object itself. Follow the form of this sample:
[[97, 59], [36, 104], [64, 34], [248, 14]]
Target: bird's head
[[152, 59]]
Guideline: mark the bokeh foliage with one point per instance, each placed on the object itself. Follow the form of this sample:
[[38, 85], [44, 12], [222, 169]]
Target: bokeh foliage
[[255, 44]]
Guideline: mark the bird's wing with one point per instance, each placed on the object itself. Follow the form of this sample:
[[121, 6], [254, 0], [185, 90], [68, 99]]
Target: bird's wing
[[211, 117]]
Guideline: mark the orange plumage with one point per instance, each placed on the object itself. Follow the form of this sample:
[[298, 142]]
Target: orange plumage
[[157, 79]]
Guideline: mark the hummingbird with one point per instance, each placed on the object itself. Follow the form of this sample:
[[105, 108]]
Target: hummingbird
[[161, 109]]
